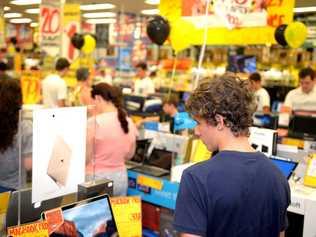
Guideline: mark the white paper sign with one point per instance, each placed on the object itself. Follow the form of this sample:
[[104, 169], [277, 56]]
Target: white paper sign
[[59, 151]]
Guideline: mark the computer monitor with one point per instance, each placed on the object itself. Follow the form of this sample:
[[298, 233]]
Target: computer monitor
[[160, 158], [242, 63], [285, 166], [302, 126], [265, 121], [89, 218], [141, 150], [29, 211]]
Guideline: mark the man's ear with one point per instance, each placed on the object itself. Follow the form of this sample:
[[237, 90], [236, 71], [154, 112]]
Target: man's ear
[[219, 122]]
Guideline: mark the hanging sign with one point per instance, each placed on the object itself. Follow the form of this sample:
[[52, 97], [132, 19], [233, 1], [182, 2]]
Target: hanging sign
[[50, 27]]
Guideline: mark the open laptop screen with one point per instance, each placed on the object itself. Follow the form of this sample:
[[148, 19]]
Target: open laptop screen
[[286, 167], [92, 217], [160, 158]]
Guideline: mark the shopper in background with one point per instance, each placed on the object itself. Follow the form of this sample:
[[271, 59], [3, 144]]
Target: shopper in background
[[82, 92], [3, 73], [54, 88], [10, 104], [114, 136], [143, 85], [104, 76], [303, 98], [261, 95], [239, 192]]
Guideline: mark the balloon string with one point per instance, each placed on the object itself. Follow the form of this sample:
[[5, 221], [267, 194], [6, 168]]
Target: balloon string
[[197, 78], [175, 61]]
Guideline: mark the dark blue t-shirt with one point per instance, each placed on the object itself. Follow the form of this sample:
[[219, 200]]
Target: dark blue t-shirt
[[235, 194]]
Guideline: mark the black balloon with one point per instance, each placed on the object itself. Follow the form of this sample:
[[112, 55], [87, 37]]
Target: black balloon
[[279, 35], [77, 40], [158, 30]]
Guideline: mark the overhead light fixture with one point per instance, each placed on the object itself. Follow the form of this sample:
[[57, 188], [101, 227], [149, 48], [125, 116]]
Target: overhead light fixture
[[6, 8], [304, 9], [101, 21], [12, 15], [101, 6], [152, 2], [33, 11], [150, 12], [20, 20], [25, 2], [34, 24], [99, 14]]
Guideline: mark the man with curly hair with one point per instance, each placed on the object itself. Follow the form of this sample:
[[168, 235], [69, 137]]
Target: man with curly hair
[[239, 192]]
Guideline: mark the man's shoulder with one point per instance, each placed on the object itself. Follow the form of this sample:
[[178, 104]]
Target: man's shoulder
[[295, 92]]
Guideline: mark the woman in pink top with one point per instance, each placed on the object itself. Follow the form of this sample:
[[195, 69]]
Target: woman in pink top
[[114, 137]]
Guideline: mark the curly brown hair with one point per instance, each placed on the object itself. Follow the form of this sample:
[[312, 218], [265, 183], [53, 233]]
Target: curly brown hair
[[10, 104], [227, 96]]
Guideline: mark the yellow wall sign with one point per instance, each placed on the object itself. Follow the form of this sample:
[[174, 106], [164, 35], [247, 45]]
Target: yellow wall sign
[[31, 86], [184, 33], [127, 214], [4, 202], [37, 229], [149, 182]]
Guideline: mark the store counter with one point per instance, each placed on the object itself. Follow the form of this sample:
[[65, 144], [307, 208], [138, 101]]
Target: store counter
[[162, 192]]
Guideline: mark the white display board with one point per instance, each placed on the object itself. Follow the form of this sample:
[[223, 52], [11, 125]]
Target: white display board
[[59, 151]]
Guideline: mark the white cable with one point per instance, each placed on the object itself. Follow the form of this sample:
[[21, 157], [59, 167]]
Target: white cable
[[201, 57]]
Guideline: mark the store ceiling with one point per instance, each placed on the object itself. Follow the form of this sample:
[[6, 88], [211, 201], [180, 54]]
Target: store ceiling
[[133, 6]]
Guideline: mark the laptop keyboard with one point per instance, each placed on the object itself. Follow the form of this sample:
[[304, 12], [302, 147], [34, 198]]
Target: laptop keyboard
[[150, 170]]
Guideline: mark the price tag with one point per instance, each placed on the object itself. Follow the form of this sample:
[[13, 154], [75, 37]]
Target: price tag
[[37, 229], [128, 217], [149, 182]]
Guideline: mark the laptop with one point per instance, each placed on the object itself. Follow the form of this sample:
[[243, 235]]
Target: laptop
[[29, 212], [88, 218], [302, 127], [286, 167], [141, 150], [59, 163], [157, 164]]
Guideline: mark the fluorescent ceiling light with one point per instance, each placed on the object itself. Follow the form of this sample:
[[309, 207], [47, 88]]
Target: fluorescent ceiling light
[[6, 8], [152, 2], [12, 15], [304, 9], [34, 24], [101, 21], [101, 6], [20, 20], [33, 11], [150, 12], [25, 2], [99, 14]]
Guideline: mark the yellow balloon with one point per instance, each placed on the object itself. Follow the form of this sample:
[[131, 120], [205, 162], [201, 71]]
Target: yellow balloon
[[295, 34], [180, 35], [89, 44]]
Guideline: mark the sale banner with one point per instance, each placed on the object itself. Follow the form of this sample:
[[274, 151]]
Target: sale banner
[[71, 25], [31, 86], [127, 214], [2, 29], [50, 27], [37, 229]]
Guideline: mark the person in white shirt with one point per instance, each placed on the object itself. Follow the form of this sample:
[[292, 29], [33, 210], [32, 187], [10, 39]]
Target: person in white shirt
[[143, 85], [54, 88], [303, 98], [261, 95]]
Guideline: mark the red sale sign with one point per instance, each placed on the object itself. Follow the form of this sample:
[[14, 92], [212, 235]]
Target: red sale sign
[[50, 27]]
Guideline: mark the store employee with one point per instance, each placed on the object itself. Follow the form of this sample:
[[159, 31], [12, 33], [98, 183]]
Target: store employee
[[302, 98], [143, 85], [261, 95]]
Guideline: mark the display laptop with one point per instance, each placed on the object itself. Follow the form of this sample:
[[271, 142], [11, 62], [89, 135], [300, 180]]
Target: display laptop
[[286, 167], [157, 164], [91, 217], [140, 153], [29, 212], [302, 127], [59, 163]]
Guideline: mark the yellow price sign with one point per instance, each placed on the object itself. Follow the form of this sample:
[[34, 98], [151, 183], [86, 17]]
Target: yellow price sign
[[37, 229], [149, 182], [31, 87], [4, 202], [128, 217]]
